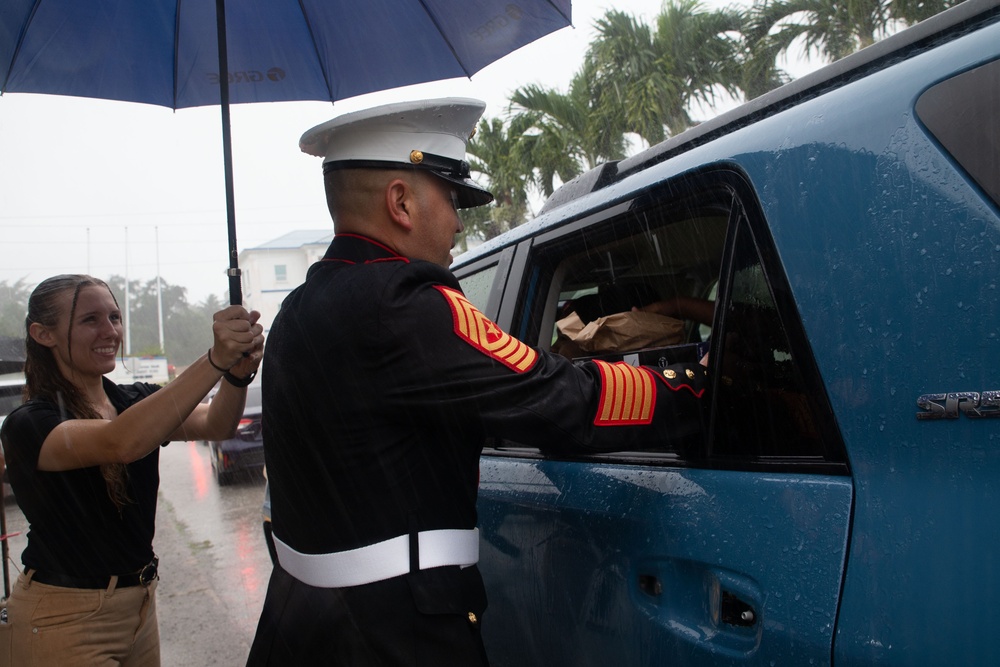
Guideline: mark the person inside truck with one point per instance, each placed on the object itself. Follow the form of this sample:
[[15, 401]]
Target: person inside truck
[[83, 454], [383, 381], [607, 320], [697, 310]]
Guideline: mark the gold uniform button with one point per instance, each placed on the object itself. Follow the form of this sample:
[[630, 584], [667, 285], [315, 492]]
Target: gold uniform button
[[669, 373], [416, 157], [472, 618], [690, 373]]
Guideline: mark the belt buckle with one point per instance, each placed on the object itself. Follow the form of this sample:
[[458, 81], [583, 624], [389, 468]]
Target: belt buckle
[[148, 573]]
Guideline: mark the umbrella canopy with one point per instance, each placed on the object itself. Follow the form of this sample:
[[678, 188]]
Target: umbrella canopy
[[164, 52], [172, 53]]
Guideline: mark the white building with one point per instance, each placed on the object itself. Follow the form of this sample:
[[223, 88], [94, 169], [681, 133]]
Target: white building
[[273, 269]]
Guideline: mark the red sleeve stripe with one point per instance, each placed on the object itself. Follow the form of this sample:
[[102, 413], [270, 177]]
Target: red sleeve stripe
[[478, 331], [628, 395]]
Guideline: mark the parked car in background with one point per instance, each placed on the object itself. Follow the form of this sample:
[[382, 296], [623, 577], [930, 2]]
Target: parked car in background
[[243, 454], [208, 399], [11, 393], [847, 228]]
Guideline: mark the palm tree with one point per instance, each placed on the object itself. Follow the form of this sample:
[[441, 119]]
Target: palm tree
[[761, 49], [652, 76], [564, 134], [634, 79], [547, 136], [914, 11], [833, 29], [496, 153]]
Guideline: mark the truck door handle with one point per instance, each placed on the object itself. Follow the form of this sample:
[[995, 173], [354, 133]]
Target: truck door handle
[[735, 611]]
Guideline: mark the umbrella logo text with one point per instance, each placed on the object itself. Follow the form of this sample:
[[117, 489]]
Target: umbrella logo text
[[249, 76], [499, 22]]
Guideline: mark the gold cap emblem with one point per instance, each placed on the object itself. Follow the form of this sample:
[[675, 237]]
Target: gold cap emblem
[[416, 157]]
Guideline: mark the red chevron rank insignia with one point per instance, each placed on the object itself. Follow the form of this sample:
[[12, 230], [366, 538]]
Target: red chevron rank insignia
[[478, 331], [628, 395]]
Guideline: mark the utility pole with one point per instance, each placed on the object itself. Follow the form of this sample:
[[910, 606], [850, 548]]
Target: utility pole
[[159, 296], [128, 311]]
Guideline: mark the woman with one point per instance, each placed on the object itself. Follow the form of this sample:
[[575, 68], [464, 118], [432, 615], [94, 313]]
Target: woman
[[82, 455]]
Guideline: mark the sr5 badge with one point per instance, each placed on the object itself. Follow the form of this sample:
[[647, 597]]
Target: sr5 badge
[[972, 404]]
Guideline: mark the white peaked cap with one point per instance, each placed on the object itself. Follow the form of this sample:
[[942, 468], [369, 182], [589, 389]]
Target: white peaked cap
[[425, 134]]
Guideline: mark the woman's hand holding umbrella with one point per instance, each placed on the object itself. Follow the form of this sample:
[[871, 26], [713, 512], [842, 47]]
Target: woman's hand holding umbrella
[[239, 341]]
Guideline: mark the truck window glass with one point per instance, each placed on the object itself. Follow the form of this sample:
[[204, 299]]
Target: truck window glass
[[598, 276], [763, 408], [476, 286], [661, 249], [961, 113]]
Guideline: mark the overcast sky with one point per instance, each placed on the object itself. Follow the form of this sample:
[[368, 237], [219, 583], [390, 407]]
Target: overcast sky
[[108, 188]]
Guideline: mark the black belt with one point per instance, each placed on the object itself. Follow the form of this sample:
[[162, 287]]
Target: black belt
[[143, 577]]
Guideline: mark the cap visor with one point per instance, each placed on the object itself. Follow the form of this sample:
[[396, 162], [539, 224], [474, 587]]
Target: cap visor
[[468, 193]]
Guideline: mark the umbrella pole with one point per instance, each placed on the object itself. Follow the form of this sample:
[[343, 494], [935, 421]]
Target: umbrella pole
[[235, 290]]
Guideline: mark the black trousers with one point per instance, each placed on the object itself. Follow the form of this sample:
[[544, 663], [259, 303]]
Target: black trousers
[[426, 618]]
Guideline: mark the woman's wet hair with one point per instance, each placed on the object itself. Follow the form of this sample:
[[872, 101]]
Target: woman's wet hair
[[43, 378]]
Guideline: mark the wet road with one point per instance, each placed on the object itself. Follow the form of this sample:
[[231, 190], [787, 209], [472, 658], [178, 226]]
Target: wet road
[[214, 565]]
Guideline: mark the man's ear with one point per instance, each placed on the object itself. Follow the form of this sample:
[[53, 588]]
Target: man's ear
[[399, 201], [41, 334]]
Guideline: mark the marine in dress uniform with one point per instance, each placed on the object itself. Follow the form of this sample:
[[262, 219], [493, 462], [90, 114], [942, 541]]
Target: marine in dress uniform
[[381, 384]]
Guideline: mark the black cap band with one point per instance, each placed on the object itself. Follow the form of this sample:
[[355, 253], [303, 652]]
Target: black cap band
[[429, 161], [456, 172]]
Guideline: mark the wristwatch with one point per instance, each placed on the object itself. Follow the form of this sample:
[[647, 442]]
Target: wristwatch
[[239, 382]]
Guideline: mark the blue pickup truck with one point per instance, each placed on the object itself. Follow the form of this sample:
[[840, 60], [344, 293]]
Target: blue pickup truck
[[843, 508]]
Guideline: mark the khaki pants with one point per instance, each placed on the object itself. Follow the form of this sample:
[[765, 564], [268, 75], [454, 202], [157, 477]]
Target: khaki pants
[[52, 625]]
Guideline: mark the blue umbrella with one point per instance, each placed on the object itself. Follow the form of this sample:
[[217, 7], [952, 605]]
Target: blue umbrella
[[171, 52]]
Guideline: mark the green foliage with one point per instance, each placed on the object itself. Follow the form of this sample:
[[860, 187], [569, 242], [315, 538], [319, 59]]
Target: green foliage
[[187, 329], [760, 50], [635, 79], [497, 153], [475, 225], [650, 75], [833, 29], [566, 134]]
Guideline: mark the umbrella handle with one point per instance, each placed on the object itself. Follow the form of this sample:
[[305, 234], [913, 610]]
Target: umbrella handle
[[235, 290]]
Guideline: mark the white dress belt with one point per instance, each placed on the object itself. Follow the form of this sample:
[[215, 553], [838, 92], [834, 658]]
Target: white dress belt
[[382, 560]]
